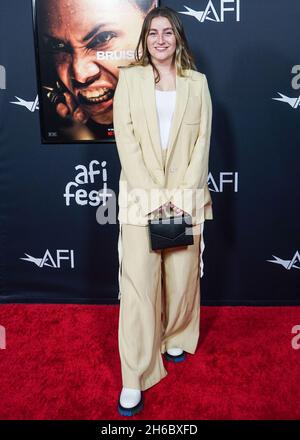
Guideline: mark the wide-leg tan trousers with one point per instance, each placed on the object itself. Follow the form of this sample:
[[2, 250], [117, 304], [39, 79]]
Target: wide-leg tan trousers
[[159, 304]]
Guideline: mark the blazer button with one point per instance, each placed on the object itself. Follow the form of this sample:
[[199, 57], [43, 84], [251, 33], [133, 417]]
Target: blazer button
[[173, 169]]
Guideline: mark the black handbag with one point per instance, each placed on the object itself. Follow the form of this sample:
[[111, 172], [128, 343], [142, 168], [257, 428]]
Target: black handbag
[[170, 232]]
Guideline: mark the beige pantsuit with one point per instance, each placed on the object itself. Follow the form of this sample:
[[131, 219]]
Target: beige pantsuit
[[159, 304], [159, 290]]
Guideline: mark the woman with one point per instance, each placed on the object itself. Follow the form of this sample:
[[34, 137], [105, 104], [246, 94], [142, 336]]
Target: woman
[[86, 39], [162, 121]]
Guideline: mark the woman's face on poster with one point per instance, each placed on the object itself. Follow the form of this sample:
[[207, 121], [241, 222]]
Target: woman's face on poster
[[88, 40]]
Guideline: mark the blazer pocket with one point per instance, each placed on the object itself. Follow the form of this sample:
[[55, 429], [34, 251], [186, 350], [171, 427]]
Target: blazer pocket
[[192, 111]]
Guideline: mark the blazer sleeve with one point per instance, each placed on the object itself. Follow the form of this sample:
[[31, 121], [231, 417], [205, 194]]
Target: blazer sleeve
[[129, 149], [196, 173]]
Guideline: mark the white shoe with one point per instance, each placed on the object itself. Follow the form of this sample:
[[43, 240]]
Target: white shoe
[[130, 397], [175, 351]]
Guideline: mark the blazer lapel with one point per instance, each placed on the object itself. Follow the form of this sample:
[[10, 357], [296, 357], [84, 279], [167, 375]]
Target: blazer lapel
[[147, 89]]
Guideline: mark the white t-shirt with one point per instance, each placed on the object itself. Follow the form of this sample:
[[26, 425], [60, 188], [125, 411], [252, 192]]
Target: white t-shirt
[[165, 104]]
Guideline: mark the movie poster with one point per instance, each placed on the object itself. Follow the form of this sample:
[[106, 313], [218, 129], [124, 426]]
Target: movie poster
[[79, 46]]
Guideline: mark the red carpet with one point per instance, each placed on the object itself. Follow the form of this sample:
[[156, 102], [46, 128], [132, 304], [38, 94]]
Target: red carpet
[[62, 362]]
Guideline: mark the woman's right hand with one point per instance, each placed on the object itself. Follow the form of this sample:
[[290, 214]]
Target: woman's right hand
[[177, 210]]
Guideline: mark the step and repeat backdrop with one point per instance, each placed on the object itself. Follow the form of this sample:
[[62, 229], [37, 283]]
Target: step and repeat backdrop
[[59, 166]]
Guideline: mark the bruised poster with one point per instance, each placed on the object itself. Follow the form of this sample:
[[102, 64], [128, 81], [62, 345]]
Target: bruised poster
[[79, 46]]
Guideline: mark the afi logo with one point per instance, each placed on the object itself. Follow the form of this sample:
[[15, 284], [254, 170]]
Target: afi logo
[[48, 260], [287, 264], [293, 102], [225, 178], [215, 11], [32, 106]]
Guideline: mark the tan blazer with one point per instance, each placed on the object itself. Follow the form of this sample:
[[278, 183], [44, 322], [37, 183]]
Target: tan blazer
[[144, 184]]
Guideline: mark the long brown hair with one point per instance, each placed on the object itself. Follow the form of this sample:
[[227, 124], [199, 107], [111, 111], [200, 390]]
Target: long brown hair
[[183, 56]]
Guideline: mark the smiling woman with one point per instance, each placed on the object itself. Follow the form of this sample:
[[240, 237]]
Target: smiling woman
[[82, 43]]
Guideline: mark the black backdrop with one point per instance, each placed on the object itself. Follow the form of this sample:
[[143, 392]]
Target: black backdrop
[[251, 247]]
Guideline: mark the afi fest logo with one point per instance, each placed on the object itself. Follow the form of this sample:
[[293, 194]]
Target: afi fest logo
[[293, 102], [76, 189], [32, 106], [48, 260], [294, 263], [215, 10]]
